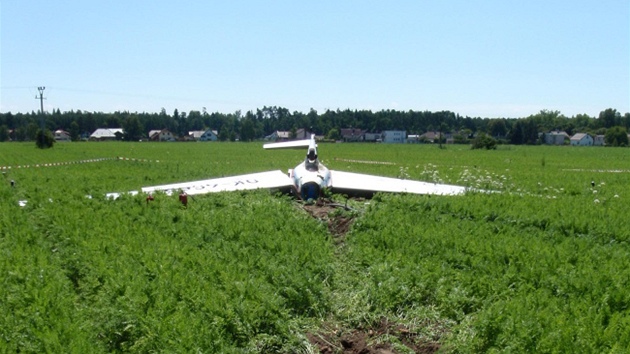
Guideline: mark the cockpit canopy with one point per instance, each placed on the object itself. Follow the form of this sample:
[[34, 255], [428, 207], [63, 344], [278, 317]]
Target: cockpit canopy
[[312, 155]]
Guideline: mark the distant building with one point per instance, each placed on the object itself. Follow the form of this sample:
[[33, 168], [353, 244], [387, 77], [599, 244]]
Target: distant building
[[61, 135], [196, 134], [352, 135], [161, 135], [599, 140], [582, 139], [102, 134], [153, 132], [372, 137], [280, 135], [429, 137], [209, 135], [555, 137], [394, 136]]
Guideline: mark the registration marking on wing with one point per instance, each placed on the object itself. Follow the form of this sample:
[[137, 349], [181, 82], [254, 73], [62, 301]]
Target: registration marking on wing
[[262, 180]]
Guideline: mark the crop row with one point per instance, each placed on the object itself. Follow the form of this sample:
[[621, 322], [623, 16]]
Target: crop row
[[541, 266]]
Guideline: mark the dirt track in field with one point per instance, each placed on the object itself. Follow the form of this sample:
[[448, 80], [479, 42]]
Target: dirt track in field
[[332, 340]]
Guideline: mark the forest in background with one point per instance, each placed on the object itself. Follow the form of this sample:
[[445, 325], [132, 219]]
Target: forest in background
[[253, 125]]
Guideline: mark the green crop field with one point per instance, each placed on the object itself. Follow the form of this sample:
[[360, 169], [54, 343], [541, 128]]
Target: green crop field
[[542, 266]]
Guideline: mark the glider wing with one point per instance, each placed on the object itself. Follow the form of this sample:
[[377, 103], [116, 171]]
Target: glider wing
[[361, 184], [262, 180]]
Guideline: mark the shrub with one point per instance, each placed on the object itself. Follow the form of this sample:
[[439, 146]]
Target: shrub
[[44, 139], [484, 141]]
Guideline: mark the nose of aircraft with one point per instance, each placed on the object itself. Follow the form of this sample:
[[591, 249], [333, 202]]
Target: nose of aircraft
[[310, 190]]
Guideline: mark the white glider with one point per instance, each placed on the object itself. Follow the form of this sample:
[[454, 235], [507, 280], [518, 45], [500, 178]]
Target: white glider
[[307, 180]]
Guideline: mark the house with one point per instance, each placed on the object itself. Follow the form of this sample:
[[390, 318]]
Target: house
[[280, 135], [61, 135], [209, 135], [103, 134], [394, 136], [351, 134], [161, 135], [153, 132], [582, 139], [413, 138], [372, 137], [429, 137], [555, 137], [196, 134], [599, 140], [302, 134]]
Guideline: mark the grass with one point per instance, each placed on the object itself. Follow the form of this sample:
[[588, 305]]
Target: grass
[[540, 267]]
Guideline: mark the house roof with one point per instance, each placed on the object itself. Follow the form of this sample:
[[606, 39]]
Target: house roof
[[196, 133], [579, 136], [106, 133], [429, 135], [558, 132], [350, 132], [280, 134]]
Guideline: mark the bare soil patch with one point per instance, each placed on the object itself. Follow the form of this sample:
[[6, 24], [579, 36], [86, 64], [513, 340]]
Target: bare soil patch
[[338, 223], [370, 341]]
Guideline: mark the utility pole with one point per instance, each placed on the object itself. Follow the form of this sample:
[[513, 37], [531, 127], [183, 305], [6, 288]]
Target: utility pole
[[41, 102]]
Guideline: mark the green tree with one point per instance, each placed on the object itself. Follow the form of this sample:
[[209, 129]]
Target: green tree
[[225, 134], [517, 135], [31, 131], [74, 131], [582, 122], [247, 130], [132, 128], [4, 133], [609, 118], [44, 139], [531, 132], [333, 134], [616, 136], [460, 138], [484, 142], [112, 121], [497, 128], [195, 121]]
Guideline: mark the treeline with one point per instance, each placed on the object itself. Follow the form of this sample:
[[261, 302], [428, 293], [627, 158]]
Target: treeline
[[257, 124]]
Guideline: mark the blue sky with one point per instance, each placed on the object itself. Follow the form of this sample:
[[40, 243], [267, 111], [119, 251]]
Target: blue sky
[[491, 58]]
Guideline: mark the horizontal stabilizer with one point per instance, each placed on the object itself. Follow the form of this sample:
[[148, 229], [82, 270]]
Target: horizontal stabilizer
[[288, 144]]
